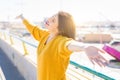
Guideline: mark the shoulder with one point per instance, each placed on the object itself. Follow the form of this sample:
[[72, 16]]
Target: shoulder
[[62, 43], [63, 38]]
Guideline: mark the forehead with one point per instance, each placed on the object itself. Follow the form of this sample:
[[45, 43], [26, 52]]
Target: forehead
[[55, 16]]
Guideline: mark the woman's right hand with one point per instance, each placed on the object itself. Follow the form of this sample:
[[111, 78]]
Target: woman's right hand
[[20, 17]]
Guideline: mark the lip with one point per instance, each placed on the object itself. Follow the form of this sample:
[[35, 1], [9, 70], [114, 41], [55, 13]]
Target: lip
[[47, 23]]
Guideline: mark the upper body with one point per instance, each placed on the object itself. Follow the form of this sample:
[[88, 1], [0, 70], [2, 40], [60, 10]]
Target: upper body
[[52, 57], [56, 44]]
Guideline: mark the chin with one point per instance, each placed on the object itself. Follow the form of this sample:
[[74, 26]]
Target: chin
[[46, 26]]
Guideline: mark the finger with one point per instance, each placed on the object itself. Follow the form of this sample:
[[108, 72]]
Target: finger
[[91, 60], [103, 59], [98, 62], [101, 50], [102, 64]]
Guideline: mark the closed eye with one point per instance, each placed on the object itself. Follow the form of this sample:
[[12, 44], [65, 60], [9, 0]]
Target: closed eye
[[53, 20]]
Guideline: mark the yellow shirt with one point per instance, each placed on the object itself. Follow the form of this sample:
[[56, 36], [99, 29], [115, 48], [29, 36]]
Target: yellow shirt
[[53, 57]]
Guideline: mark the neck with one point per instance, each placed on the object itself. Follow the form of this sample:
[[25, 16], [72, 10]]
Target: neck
[[52, 35]]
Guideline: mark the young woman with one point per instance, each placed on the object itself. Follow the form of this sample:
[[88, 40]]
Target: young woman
[[56, 44]]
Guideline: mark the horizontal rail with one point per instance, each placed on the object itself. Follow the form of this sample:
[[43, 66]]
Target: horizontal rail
[[24, 41], [91, 71]]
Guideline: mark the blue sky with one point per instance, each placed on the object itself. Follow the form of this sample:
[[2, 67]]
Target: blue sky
[[82, 10]]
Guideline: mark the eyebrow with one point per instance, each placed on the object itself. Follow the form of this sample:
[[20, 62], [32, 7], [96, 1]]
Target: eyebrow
[[54, 17]]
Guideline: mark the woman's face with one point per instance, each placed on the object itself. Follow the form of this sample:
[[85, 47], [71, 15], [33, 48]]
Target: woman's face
[[52, 23]]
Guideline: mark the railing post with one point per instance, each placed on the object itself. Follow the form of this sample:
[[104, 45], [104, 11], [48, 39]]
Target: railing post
[[11, 41], [4, 36], [25, 49]]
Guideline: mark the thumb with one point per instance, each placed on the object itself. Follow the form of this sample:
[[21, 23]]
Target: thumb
[[102, 51]]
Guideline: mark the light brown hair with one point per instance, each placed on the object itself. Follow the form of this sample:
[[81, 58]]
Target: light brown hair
[[66, 25]]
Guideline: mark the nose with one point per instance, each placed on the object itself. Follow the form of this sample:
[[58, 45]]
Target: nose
[[49, 19], [45, 19]]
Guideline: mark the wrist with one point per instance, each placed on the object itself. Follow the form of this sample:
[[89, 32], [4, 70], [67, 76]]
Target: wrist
[[86, 46]]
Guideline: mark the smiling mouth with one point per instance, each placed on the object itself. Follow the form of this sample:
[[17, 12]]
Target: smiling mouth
[[47, 23]]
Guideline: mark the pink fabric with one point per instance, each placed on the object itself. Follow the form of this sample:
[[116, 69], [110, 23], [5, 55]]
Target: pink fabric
[[113, 52]]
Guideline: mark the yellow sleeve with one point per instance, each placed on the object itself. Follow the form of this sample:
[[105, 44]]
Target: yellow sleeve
[[63, 46], [36, 32]]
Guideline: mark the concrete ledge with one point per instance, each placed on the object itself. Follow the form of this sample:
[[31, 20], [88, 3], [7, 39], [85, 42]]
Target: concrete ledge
[[97, 38], [24, 65]]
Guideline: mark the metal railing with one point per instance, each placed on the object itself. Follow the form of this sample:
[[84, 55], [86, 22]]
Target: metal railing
[[74, 72], [99, 76]]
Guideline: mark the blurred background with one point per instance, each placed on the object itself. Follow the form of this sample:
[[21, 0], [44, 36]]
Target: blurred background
[[89, 15]]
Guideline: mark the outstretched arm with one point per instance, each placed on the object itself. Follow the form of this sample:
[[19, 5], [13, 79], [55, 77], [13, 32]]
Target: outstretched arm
[[34, 30], [25, 22], [92, 52]]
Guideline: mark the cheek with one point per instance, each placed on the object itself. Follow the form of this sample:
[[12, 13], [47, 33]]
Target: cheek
[[49, 27], [56, 25]]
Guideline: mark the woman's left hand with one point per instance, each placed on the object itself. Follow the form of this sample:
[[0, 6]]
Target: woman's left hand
[[94, 56]]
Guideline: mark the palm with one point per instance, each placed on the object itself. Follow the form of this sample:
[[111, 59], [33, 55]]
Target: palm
[[94, 56]]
